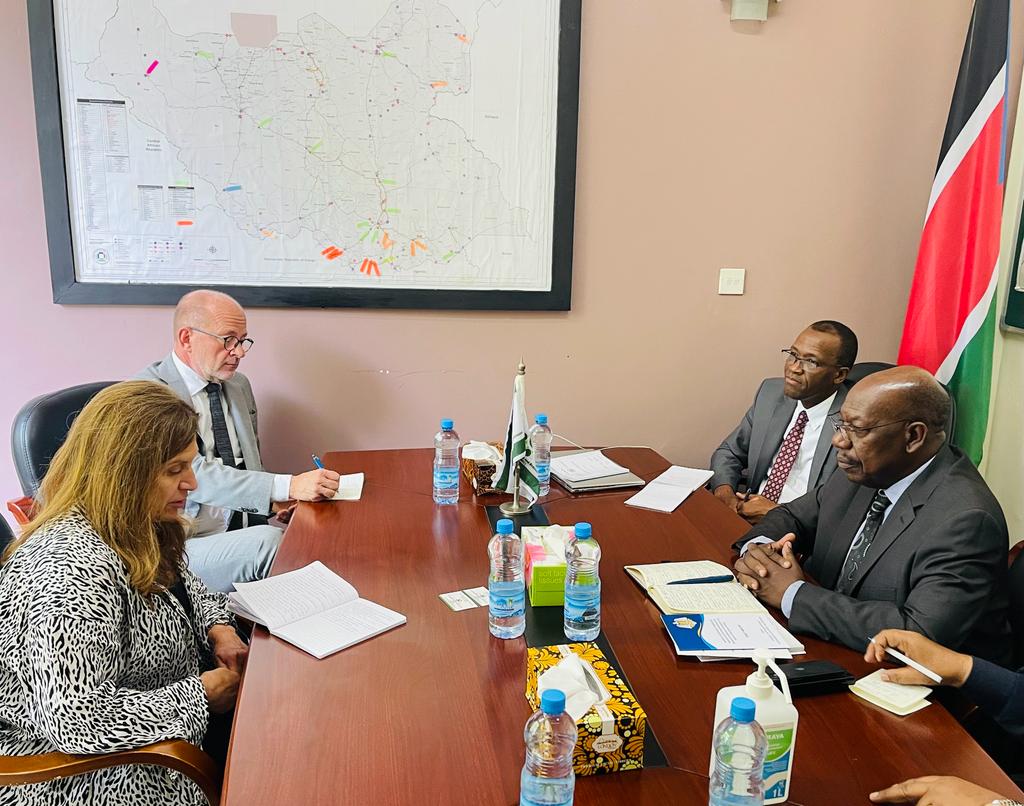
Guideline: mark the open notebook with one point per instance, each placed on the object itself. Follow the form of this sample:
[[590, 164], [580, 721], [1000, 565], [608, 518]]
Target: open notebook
[[712, 597], [313, 608]]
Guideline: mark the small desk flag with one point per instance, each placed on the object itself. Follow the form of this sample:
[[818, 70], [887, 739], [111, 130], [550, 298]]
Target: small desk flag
[[518, 452]]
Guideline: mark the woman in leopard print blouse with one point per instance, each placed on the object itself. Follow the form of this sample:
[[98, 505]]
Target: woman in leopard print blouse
[[98, 652]]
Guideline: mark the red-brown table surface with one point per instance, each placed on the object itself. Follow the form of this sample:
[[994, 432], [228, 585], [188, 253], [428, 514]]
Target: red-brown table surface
[[433, 711]]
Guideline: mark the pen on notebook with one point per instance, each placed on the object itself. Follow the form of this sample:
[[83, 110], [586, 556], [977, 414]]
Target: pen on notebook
[[913, 664], [702, 580], [317, 462]]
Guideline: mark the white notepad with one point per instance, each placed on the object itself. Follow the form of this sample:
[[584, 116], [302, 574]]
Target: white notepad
[[893, 697], [670, 489], [350, 487], [313, 608]]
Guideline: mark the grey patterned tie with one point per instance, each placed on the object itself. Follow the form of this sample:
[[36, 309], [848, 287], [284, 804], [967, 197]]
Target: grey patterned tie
[[862, 543], [221, 439]]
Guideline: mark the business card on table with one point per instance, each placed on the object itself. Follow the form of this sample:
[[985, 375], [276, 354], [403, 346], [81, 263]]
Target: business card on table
[[458, 600], [479, 595]]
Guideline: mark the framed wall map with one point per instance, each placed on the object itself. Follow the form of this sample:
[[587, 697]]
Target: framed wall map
[[385, 153]]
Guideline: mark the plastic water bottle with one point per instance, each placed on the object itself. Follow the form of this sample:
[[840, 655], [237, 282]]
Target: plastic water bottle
[[582, 615], [548, 778], [738, 748], [540, 439], [506, 585], [446, 464]]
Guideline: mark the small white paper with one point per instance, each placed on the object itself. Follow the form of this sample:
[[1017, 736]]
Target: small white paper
[[670, 489], [350, 487], [585, 466], [479, 595], [458, 600]]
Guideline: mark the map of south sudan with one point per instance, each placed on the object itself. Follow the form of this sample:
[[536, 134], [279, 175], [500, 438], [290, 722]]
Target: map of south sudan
[[322, 134]]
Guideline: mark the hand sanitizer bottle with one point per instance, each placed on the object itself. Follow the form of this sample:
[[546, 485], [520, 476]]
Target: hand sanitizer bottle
[[777, 715]]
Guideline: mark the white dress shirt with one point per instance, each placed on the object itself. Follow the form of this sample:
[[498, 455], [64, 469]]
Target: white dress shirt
[[800, 474], [893, 493], [210, 519]]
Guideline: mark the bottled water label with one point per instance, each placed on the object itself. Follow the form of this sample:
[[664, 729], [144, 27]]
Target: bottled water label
[[445, 477], [582, 603], [507, 599], [543, 470]]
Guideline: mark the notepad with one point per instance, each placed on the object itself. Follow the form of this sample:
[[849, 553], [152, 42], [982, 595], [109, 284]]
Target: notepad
[[350, 487], [715, 597], [312, 608], [892, 697], [670, 489], [584, 466]]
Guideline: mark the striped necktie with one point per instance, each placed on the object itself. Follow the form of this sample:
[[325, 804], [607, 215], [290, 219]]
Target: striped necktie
[[862, 543], [222, 447]]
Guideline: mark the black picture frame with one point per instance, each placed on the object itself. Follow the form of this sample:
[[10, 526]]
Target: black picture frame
[[69, 290]]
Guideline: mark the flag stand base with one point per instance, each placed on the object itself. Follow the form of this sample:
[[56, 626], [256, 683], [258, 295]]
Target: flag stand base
[[513, 508]]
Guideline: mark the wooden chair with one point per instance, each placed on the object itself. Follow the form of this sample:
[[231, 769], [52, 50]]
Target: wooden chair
[[175, 754]]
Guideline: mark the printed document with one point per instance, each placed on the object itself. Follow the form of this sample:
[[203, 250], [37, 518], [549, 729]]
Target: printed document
[[585, 466]]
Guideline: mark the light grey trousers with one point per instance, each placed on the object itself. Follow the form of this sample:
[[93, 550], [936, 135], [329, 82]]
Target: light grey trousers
[[223, 558]]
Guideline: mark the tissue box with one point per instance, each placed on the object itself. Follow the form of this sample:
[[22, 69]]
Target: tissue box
[[480, 471], [611, 734], [544, 566]]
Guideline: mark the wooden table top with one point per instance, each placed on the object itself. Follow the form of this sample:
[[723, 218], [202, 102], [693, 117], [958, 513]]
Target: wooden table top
[[433, 711]]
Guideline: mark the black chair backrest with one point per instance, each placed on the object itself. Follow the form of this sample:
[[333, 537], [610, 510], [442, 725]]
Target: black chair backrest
[[40, 429], [6, 534], [1015, 583], [859, 372]]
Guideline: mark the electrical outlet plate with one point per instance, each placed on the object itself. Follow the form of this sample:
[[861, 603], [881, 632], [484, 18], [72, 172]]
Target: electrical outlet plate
[[731, 281]]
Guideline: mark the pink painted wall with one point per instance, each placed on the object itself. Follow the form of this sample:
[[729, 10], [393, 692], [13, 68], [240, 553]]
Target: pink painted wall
[[801, 150]]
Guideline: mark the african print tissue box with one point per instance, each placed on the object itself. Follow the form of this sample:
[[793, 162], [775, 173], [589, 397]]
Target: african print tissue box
[[611, 734]]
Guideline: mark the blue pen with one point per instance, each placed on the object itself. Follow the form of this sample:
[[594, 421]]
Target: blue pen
[[701, 580], [317, 462]]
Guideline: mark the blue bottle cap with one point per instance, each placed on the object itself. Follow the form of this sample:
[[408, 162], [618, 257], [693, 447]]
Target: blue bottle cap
[[447, 425], [582, 530], [505, 526], [541, 419], [552, 701], [743, 709]]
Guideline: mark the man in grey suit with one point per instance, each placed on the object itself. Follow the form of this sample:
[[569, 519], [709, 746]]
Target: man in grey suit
[[907, 536], [231, 540], [784, 442]]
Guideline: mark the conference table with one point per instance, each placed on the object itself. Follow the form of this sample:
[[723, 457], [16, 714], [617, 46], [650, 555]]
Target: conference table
[[432, 712]]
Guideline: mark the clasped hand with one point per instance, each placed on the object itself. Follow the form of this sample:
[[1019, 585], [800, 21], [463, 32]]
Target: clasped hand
[[768, 569]]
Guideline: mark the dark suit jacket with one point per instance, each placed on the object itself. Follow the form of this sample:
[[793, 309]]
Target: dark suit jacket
[[999, 693], [756, 440], [937, 565]]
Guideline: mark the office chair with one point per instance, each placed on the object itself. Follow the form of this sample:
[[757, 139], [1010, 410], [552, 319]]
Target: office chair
[[6, 534], [40, 428], [175, 754]]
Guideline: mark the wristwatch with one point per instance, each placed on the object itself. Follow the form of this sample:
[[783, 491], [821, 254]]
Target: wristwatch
[[1004, 803]]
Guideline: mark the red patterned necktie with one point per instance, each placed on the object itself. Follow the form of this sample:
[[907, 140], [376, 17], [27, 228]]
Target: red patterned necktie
[[784, 461]]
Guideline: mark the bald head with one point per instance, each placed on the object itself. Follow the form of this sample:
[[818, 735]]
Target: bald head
[[908, 393], [199, 308], [203, 320], [896, 422]]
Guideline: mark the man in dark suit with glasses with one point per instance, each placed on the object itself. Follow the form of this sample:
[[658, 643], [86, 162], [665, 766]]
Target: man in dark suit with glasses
[[784, 443], [907, 536]]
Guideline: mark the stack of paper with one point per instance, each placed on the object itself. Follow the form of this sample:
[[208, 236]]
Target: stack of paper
[[313, 608], [670, 489], [729, 635], [670, 587], [893, 697], [584, 466]]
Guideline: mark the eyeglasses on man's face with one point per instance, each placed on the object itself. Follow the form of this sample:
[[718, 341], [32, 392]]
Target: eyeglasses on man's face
[[231, 343], [809, 364], [858, 431]]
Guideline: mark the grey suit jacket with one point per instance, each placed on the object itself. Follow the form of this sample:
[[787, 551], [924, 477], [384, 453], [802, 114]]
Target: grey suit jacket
[[246, 490], [937, 565], [757, 438]]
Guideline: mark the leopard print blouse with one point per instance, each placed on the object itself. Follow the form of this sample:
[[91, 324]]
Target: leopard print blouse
[[88, 665]]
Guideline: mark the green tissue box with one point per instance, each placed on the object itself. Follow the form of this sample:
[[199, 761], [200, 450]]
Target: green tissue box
[[545, 564]]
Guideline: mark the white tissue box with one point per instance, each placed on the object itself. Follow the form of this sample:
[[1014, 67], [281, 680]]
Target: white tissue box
[[611, 734]]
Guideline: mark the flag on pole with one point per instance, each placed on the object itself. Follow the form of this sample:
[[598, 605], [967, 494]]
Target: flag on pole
[[518, 451], [950, 324]]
